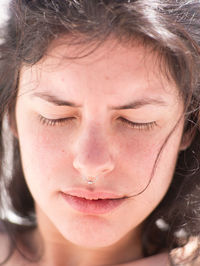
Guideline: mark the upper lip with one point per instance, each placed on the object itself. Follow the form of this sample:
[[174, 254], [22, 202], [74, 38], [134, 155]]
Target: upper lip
[[92, 195]]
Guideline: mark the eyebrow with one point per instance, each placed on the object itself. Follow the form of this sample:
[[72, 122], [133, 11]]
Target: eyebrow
[[54, 99], [140, 103], [132, 105]]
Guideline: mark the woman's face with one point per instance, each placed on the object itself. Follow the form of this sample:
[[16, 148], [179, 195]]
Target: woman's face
[[72, 123]]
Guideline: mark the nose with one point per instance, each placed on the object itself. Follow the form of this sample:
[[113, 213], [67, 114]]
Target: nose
[[93, 158]]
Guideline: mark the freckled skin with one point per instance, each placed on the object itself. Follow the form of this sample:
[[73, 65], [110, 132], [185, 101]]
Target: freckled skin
[[97, 144]]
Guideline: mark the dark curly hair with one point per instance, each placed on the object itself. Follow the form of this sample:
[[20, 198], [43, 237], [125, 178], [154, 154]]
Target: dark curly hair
[[172, 29]]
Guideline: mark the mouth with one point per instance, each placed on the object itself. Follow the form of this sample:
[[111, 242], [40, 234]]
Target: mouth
[[98, 203], [97, 195]]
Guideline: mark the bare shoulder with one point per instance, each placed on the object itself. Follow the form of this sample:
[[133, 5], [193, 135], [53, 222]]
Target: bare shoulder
[[156, 260], [9, 255], [6, 247], [17, 259]]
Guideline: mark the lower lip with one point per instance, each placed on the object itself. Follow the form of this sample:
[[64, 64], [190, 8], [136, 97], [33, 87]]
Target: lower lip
[[92, 206]]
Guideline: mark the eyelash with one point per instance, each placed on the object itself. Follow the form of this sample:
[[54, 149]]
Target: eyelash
[[139, 126], [54, 122], [61, 121]]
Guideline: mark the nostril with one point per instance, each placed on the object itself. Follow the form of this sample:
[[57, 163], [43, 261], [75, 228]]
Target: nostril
[[91, 167]]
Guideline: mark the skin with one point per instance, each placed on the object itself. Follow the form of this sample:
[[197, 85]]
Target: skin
[[97, 143]]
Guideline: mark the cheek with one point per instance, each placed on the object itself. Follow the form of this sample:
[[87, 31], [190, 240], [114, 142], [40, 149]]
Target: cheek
[[46, 158], [139, 150], [136, 160], [148, 160]]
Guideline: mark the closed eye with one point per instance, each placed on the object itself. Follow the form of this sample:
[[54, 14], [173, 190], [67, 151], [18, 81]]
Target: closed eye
[[55, 122], [65, 120], [139, 126]]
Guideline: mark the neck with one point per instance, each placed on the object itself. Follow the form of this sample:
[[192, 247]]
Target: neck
[[61, 252]]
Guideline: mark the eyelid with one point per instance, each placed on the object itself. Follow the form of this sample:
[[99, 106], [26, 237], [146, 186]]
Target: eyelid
[[138, 125], [54, 112], [52, 122], [64, 120]]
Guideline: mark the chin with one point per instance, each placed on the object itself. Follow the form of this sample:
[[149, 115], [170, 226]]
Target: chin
[[90, 235]]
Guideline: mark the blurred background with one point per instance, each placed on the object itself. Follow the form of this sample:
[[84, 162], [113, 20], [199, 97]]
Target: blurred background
[[3, 10]]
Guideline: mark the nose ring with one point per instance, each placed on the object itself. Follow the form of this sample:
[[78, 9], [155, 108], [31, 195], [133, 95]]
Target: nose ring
[[90, 180]]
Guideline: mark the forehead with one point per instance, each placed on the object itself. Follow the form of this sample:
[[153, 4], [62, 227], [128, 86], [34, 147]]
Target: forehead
[[109, 69], [111, 56]]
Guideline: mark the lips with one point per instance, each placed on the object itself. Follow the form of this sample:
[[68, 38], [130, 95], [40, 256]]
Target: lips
[[92, 202], [92, 195]]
